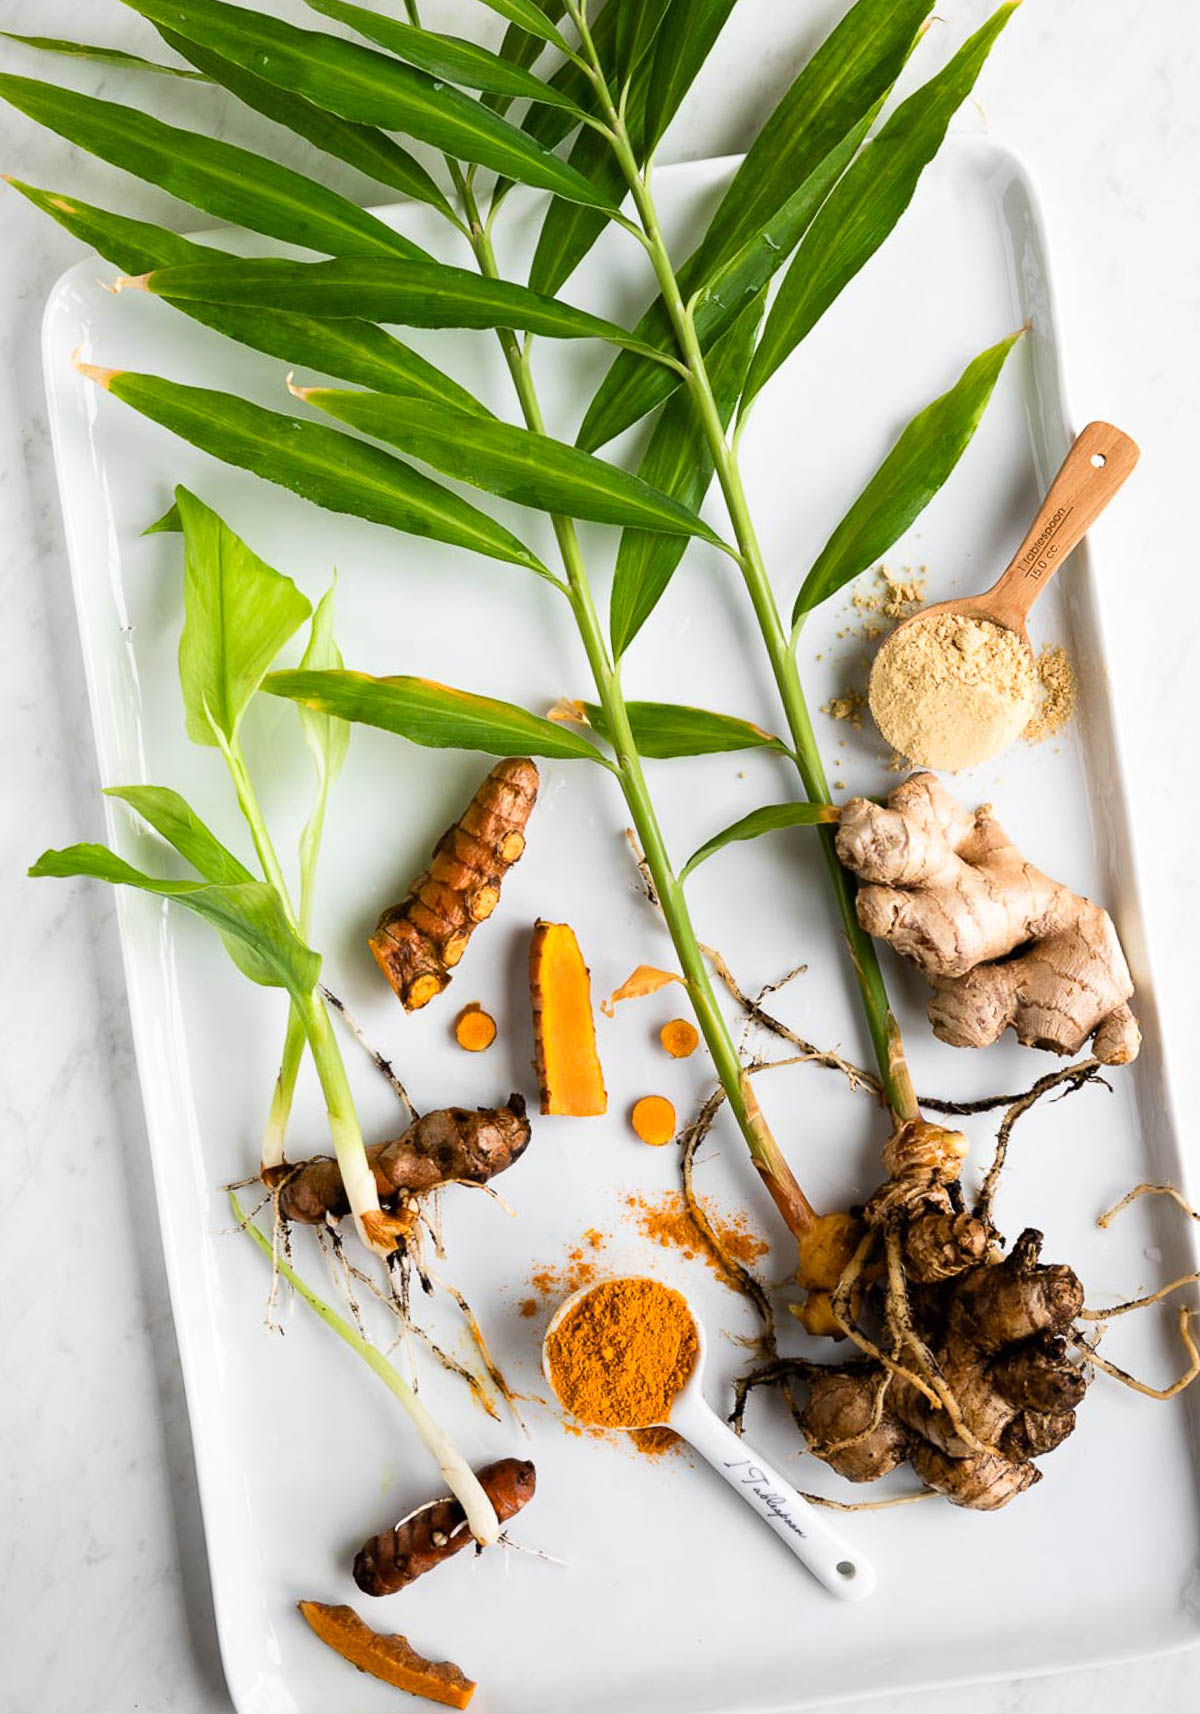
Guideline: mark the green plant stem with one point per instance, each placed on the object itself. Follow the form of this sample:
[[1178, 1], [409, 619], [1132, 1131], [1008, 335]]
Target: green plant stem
[[308, 1021], [460, 1478], [881, 1023], [793, 1205]]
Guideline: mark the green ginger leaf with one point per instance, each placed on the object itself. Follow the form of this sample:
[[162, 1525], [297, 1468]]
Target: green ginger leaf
[[364, 147], [232, 183], [238, 614], [355, 351], [369, 87], [911, 474], [769, 819], [247, 915], [679, 462], [792, 165], [433, 715], [176, 821], [331, 469], [663, 730], [425, 294], [100, 55], [867, 203], [533, 20], [532, 469], [327, 737], [442, 56]]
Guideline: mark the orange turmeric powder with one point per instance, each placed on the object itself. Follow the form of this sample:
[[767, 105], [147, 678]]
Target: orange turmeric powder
[[621, 1355]]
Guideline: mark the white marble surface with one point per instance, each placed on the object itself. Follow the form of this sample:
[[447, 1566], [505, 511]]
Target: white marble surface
[[101, 1525]]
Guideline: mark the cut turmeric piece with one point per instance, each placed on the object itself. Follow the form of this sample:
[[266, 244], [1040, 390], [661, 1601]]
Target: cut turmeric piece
[[474, 1029], [419, 941], [646, 979], [389, 1658], [570, 1078], [679, 1038], [653, 1120]]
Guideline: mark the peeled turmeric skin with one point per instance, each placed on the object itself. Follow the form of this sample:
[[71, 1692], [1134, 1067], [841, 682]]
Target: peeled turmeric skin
[[452, 1144], [569, 1074], [1001, 943], [419, 941]]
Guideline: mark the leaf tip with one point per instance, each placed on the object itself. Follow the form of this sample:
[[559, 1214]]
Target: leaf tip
[[132, 282], [298, 392], [92, 371]]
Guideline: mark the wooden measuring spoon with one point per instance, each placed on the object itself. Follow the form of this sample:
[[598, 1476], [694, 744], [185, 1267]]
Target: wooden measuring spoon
[[1096, 466], [942, 709]]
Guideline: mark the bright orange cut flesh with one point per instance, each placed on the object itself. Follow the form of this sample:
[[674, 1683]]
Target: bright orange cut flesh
[[570, 1077]]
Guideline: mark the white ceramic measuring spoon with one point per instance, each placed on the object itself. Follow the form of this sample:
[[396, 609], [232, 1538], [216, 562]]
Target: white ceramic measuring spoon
[[838, 1567]]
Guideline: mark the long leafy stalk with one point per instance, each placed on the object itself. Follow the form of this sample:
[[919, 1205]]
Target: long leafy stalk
[[790, 1200], [881, 1022]]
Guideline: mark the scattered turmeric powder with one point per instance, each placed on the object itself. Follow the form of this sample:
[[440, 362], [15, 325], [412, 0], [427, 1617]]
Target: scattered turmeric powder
[[389, 1658], [668, 1221], [474, 1029], [657, 1442], [653, 1120], [621, 1355], [679, 1038], [569, 1074]]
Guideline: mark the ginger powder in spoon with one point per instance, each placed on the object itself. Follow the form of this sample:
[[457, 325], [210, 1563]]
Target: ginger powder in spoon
[[950, 690]]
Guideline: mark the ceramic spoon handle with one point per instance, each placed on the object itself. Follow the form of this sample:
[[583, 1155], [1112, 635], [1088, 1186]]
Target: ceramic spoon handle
[[1100, 460], [835, 1565]]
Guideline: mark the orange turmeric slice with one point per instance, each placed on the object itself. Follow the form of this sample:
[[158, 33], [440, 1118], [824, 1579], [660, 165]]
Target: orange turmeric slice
[[387, 1657], [679, 1038], [653, 1120], [474, 1029], [569, 1074]]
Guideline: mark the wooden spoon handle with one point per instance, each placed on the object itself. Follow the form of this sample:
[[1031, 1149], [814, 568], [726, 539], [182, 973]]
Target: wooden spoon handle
[[1100, 460]]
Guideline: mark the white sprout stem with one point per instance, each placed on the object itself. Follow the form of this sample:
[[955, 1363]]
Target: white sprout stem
[[357, 1177], [460, 1478]]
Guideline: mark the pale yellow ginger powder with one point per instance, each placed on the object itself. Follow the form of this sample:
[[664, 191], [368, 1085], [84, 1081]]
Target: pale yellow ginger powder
[[950, 691]]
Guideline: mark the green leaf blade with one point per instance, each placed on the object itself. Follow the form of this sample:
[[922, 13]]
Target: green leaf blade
[[663, 731], [173, 818], [770, 819], [232, 183], [100, 55], [530, 469], [238, 614], [335, 471], [433, 715], [248, 916], [531, 19], [420, 294], [369, 88], [678, 461], [868, 202], [920, 462], [363, 147], [354, 351], [449, 57]]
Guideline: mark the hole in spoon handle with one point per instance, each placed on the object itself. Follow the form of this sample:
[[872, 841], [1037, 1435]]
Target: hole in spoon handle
[[1096, 466]]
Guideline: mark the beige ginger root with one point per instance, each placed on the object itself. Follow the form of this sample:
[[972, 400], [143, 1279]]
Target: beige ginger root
[[419, 941], [1001, 943]]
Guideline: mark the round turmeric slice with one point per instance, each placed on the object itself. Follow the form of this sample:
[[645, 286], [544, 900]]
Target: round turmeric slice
[[474, 1029], [653, 1120], [679, 1038]]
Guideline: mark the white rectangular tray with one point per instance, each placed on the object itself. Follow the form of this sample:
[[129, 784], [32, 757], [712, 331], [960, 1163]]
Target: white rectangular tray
[[673, 1600]]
